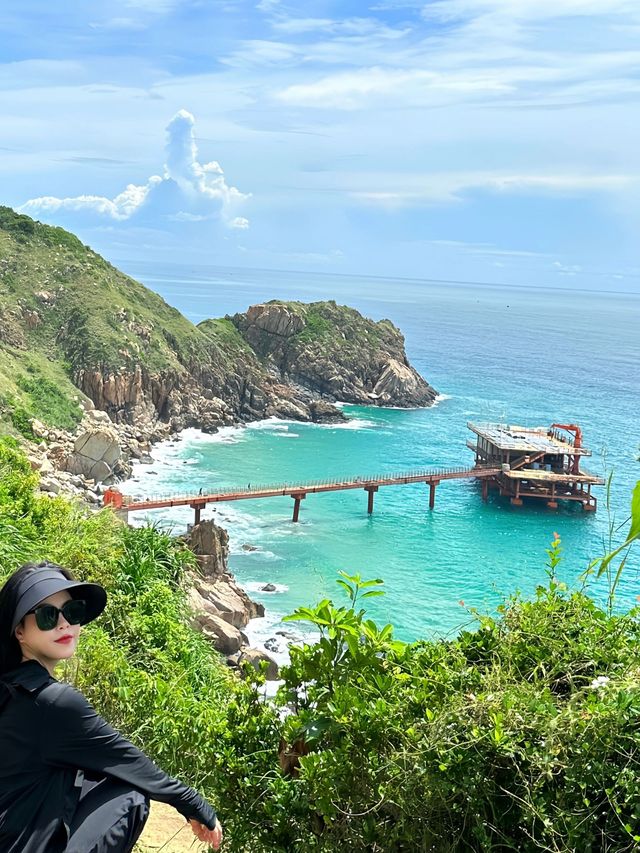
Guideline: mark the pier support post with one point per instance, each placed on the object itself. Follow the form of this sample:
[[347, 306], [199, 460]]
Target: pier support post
[[296, 506], [432, 493], [371, 492], [197, 509], [517, 500], [553, 503], [485, 489]]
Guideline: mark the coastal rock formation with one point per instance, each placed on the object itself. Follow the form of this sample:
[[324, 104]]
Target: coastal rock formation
[[95, 454], [221, 608], [331, 351], [256, 657]]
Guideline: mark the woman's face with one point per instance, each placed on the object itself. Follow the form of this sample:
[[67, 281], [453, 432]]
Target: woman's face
[[48, 647]]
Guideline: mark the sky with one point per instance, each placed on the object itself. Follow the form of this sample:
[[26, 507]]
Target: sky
[[472, 140]]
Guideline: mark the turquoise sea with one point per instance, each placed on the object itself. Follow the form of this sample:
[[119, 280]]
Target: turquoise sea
[[520, 355]]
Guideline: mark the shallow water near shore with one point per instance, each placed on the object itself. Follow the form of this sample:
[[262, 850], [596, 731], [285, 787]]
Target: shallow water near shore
[[495, 354]]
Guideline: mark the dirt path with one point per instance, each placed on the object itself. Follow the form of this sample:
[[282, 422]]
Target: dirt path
[[167, 831]]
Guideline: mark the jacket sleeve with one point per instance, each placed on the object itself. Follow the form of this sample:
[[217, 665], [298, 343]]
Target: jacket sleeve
[[74, 735]]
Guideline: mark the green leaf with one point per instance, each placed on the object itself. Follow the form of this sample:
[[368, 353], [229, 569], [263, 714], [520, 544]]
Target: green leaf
[[634, 530], [374, 582], [346, 586]]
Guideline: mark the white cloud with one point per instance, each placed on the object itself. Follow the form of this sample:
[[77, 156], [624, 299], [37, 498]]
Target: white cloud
[[567, 269], [118, 24], [344, 27], [188, 191], [395, 191], [526, 10], [355, 90]]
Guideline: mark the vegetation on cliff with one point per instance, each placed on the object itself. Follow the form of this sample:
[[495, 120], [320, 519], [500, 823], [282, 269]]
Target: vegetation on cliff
[[521, 734]]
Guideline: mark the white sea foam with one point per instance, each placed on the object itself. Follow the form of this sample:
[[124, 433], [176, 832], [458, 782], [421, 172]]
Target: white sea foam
[[273, 424], [258, 586], [441, 399], [266, 628], [354, 423]]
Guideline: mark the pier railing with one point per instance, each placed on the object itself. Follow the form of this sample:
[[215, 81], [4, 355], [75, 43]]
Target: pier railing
[[324, 484]]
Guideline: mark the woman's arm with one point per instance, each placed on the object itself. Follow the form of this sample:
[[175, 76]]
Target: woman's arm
[[74, 735]]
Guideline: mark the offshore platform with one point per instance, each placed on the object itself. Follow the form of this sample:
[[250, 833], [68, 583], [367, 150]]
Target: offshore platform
[[540, 463]]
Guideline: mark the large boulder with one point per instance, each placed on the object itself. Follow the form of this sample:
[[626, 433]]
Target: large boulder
[[228, 600], [400, 381], [225, 638], [210, 544], [255, 657], [96, 451]]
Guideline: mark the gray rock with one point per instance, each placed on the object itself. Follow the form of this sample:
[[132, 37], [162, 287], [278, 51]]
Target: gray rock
[[96, 452], [255, 658], [268, 587], [225, 637], [48, 484], [288, 635]]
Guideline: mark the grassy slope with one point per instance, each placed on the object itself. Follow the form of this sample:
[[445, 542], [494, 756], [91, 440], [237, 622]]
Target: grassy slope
[[64, 308]]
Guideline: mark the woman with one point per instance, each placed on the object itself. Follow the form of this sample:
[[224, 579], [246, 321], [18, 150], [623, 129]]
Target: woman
[[69, 783]]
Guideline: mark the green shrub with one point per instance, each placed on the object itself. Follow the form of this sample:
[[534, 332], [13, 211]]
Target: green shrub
[[48, 403]]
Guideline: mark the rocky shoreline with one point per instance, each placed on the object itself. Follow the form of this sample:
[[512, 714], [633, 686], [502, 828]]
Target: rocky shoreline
[[81, 464]]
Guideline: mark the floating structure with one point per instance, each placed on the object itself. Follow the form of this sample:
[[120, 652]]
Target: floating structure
[[541, 462], [517, 461]]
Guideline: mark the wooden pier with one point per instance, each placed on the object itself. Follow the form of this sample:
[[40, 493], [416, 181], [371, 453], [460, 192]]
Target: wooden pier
[[518, 462], [298, 491]]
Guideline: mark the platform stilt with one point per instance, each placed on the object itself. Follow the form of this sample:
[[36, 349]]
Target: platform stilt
[[432, 494], [296, 506]]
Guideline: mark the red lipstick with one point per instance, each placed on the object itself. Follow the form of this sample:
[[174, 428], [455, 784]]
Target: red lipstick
[[65, 639]]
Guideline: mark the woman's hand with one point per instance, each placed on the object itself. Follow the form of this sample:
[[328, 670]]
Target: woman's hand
[[209, 836]]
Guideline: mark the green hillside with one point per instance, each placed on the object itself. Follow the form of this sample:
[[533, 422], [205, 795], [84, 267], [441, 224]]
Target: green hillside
[[64, 309]]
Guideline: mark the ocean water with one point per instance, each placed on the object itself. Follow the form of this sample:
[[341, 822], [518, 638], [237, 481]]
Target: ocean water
[[519, 355]]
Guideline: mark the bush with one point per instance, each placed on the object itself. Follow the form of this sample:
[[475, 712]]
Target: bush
[[48, 403]]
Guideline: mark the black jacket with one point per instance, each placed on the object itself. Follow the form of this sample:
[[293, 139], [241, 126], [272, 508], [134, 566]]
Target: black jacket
[[49, 737]]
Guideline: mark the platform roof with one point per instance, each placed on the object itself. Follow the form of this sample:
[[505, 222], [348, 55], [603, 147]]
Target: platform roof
[[525, 439]]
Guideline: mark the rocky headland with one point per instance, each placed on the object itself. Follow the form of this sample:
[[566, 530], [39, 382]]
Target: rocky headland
[[95, 368]]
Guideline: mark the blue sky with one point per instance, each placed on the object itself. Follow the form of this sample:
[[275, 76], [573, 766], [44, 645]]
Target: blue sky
[[482, 140]]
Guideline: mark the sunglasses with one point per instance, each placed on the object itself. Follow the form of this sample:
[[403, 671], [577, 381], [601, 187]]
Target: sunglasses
[[47, 615]]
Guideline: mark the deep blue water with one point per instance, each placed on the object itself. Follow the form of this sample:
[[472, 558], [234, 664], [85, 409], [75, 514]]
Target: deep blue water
[[519, 355]]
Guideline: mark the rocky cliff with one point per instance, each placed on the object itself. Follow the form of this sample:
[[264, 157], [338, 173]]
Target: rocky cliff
[[220, 607], [75, 329], [333, 352]]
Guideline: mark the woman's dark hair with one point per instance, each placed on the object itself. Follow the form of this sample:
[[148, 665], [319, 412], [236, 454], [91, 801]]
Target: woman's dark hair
[[10, 654]]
